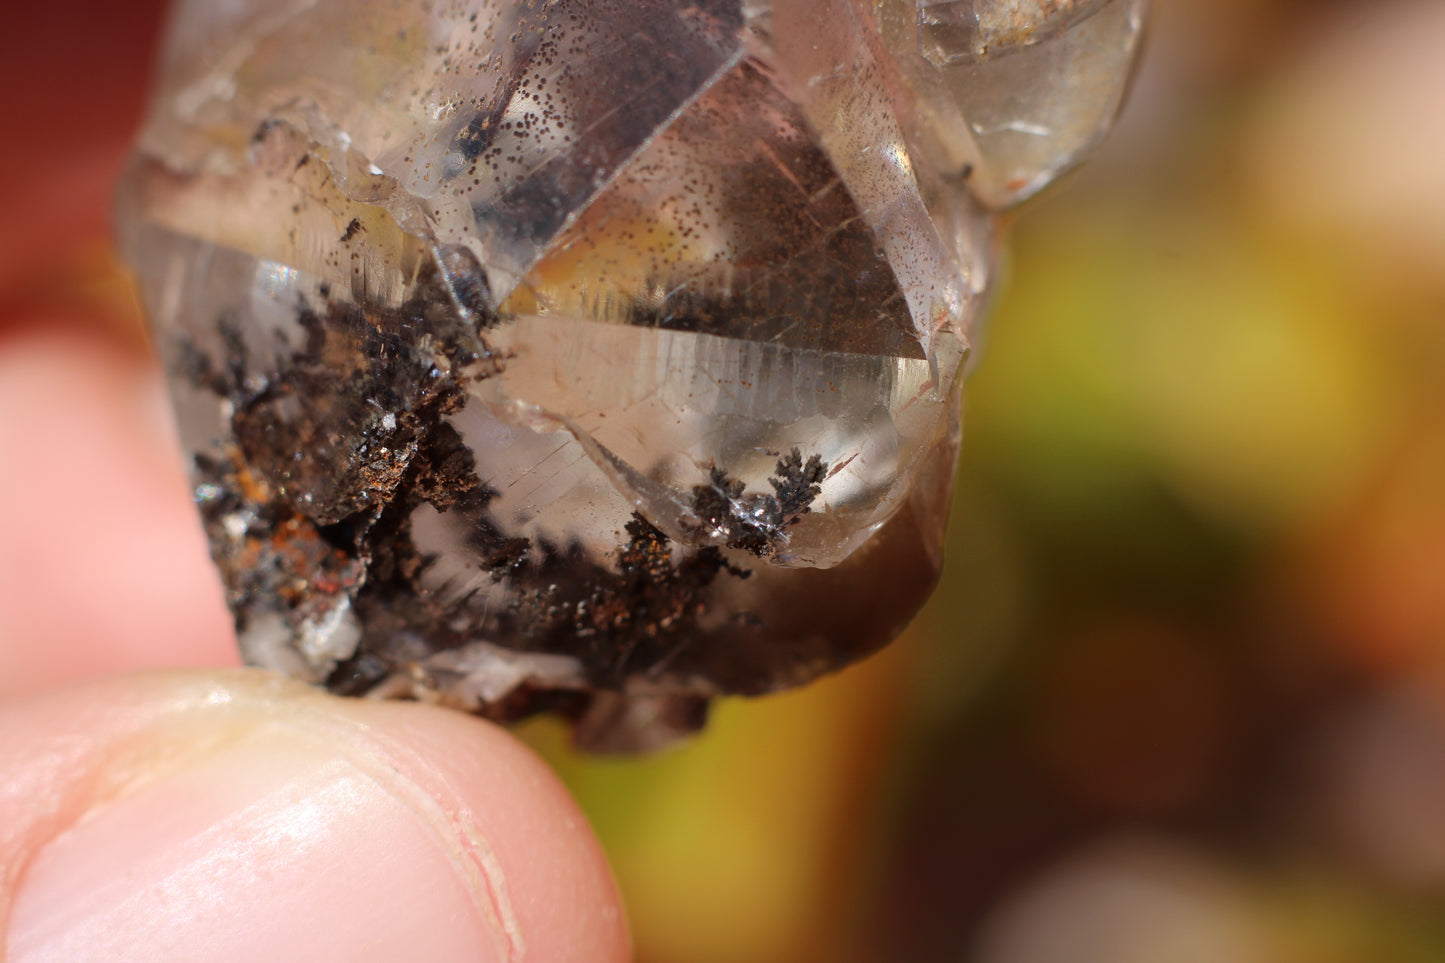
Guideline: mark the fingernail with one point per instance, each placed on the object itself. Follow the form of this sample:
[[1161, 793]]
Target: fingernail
[[269, 849]]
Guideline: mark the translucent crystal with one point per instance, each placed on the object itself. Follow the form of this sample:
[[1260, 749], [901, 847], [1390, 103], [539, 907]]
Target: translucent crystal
[[1008, 94], [598, 356]]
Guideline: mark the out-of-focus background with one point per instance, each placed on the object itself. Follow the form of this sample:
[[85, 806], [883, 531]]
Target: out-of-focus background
[[1180, 697]]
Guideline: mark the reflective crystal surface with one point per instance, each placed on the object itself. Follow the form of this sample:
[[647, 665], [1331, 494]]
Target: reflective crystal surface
[[597, 356]]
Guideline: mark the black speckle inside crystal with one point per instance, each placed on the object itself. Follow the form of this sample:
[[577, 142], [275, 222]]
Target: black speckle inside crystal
[[636, 617], [796, 483], [755, 522]]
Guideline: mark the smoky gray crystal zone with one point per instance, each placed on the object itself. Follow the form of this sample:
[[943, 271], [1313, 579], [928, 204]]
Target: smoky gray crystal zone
[[588, 356]]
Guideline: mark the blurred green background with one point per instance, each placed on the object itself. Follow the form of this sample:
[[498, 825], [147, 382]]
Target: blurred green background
[[1179, 696]]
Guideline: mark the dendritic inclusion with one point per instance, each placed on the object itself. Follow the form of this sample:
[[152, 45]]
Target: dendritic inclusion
[[590, 356]]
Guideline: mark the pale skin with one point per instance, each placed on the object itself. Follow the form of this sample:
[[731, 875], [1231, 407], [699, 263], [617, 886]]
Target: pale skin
[[210, 813]]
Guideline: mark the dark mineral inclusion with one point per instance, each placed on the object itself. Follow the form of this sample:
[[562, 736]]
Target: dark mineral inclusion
[[587, 356]]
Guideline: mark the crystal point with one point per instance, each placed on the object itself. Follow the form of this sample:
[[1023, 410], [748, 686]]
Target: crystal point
[[598, 357]]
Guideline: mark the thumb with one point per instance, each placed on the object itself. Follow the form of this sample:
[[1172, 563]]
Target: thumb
[[234, 816]]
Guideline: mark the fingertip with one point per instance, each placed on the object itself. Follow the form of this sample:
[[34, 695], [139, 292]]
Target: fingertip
[[234, 816], [564, 901], [103, 564]]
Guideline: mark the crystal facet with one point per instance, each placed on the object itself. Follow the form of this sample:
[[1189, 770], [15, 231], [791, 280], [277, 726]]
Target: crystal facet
[[598, 356]]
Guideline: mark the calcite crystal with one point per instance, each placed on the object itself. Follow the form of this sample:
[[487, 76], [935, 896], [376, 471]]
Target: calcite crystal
[[592, 356]]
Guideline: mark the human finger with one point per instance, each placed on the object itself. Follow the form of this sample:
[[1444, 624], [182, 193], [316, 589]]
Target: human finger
[[103, 565], [236, 816]]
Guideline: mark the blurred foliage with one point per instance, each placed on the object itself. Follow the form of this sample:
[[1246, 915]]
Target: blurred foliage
[[1178, 696]]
